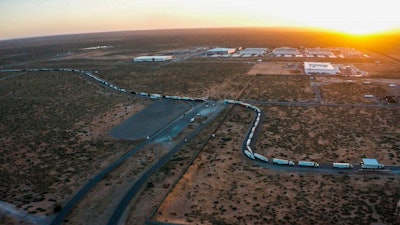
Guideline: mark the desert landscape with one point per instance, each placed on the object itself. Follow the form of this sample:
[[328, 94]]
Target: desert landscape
[[56, 126]]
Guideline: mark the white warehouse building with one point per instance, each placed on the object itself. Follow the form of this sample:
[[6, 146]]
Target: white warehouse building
[[320, 68], [154, 58], [318, 51], [286, 51], [253, 51], [221, 51]]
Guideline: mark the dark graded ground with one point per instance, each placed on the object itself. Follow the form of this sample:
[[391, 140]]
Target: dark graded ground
[[153, 118], [55, 127]]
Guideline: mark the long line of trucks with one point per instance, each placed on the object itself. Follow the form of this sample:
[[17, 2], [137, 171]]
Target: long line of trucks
[[365, 164]]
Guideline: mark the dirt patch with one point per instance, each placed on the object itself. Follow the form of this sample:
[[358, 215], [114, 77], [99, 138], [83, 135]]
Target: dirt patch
[[224, 187], [98, 126], [277, 68], [330, 134], [150, 120], [96, 55], [384, 69], [280, 88]]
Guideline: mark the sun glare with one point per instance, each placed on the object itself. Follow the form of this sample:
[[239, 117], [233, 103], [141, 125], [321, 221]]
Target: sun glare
[[359, 28], [351, 17]]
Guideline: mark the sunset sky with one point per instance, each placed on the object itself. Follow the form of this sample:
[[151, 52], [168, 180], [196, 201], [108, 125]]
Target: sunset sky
[[26, 18]]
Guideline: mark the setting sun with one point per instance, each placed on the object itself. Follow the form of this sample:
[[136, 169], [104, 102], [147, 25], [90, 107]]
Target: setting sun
[[28, 18], [350, 17]]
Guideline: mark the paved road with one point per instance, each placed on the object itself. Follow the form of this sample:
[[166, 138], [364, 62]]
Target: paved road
[[328, 169], [12, 211], [317, 92], [135, 188], [180, 123], [92, 182], [308, 104], [152, 118]]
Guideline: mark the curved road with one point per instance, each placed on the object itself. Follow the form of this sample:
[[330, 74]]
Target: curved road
[[136, 187], [92, 182], [324, 168]]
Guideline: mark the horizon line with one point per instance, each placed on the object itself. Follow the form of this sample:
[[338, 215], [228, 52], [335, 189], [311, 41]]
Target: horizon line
[[390, 31]]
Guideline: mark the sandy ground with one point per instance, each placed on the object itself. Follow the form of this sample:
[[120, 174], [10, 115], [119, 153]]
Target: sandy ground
[[379, 69], [101, 124], [277, 68], [96, 55], [224, 187]]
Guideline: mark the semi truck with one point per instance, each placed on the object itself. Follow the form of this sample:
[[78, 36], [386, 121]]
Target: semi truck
[[260, 157], [249, 154], [283, 162], [155, 96], [342, 165], [308, 163], [371, 164]]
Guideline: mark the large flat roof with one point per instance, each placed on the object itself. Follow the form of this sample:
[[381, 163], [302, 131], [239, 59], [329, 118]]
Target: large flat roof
[[367, 161], [220, 49], [253, 50], [318, 65]]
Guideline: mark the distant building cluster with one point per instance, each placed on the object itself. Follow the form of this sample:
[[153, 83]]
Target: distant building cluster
[[286, 52], [236, 52], [310, 52], [320, 68], [220, 51], [247, 52]]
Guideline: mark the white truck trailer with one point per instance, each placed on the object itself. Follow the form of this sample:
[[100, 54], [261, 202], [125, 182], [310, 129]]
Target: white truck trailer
[[155, 96], [371, 164], [308, 163], [283, 162], [342, 165], [260, 157], [249, 154]]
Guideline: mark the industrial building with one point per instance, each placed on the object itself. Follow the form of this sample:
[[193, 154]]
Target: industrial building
[[285, 51], [154, 58], [318, 51], [351, 53], [320, 68], [253, 51], [221, 51]]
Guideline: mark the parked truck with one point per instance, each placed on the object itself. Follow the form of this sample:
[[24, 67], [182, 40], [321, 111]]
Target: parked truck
[[260, 157], [249, 154], [342, 165], [283, 162], [371, 164], [308, 163], [155, 96]]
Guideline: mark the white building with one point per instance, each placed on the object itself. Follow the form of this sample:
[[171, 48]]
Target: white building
[[253, 51], [318, 51], [320, 68], [351, 52], [221, 51], [154, 58], [286, 51]]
